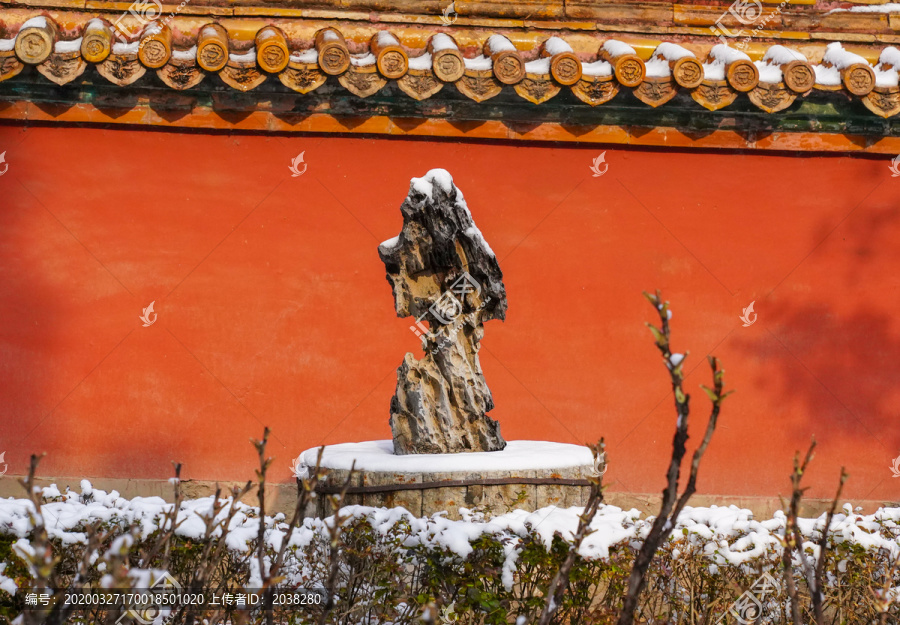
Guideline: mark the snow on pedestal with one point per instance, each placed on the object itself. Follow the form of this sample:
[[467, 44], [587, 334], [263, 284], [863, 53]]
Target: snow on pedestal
[[525, 475]]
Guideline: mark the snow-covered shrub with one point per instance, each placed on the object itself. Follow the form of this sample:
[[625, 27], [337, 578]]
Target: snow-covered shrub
[[392, 567]]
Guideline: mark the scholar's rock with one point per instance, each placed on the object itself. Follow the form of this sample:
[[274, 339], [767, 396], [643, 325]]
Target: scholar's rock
[[443, 273]]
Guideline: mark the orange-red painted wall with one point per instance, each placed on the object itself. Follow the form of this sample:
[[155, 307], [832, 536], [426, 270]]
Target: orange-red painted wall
[[273, 306]]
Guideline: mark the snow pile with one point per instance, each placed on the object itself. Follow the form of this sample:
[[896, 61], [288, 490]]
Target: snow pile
[[597, 68], [615, 48], [362, 60], [67, 47], [185, 55], [385, 39], [725, 537], [665, 54], [243, 57], [836, 58], [379, 455], [306, 56], [479, 63], [719, 57], [538, 66], [127, 49], [443, 42], [890, 7], [770, 65], [554, 45], [421, 62], [35, 22], [886, 70], [499, 43]]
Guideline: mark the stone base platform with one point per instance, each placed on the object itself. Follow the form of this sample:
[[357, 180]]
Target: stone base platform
[[526, 475]]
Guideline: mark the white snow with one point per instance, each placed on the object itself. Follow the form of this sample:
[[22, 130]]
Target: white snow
[[517, 456], [95, 24], [714, 71], [886, 72], [362, 60], [63, 47], [828, 76], [538, 66], [153, 28], [725, 536], [726, 54], [886, 78], [266, 33], [305, 56], [385, 39], [890, 56], [330, 35], [890, 7], [442, 42], [597, 68], [7, 44], [424, 185], [7, 584], [479, 63], [719, 57], [657, 68], [474, 233], [390, 243], [617, 48], [126, 48], [781, 55], [665, 53], [185, 55], [499, 43], [247, 57], [838, 57], [555, 45], [672, 51], [422, 61], [38, 21], [769, 73]]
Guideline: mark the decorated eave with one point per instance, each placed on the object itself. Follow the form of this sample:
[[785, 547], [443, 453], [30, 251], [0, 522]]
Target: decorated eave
[[844, 64]]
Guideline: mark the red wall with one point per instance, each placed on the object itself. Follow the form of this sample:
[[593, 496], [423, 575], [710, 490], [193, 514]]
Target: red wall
[[273, 306]]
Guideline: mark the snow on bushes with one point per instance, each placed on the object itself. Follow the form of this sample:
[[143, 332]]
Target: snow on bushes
[[394, 567]]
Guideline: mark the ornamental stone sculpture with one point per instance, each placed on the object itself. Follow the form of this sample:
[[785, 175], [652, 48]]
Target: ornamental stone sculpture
[[443, 273]]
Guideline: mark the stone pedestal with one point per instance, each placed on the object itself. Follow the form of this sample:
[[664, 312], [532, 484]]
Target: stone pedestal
[[526, 475]]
